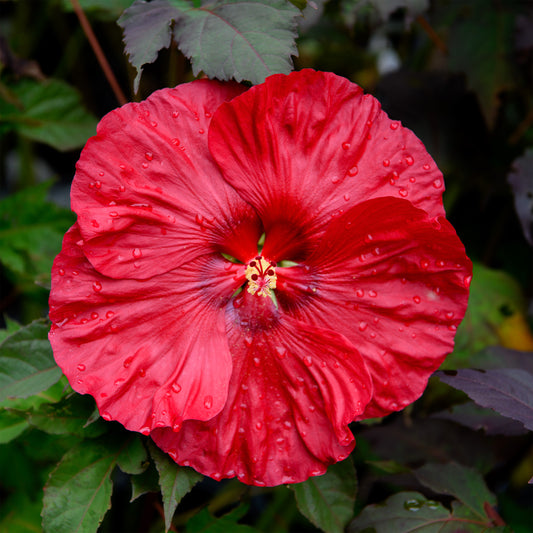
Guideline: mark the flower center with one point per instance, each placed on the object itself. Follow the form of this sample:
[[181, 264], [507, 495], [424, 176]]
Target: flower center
[[261, 276]]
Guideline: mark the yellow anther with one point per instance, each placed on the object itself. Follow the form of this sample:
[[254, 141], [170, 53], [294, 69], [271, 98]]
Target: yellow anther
[[261, 276]]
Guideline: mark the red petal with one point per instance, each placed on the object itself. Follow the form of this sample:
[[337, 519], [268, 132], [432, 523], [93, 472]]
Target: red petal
[[305, 147], [394, 282], [149, 196], [293, 391], [151, 352]]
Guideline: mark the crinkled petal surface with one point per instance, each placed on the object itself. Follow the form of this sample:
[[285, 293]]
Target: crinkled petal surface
[[371, 280], [308, 146], [393, 281], [152, 352], [147, 192], [293, 391]]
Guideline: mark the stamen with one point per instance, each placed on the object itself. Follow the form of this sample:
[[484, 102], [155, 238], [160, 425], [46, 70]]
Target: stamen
[[261, 276]]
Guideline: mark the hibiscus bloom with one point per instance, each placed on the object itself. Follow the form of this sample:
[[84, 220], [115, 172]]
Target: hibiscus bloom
[[252, 270]]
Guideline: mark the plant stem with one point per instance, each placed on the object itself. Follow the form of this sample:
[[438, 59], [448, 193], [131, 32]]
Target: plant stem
[[98, 52]]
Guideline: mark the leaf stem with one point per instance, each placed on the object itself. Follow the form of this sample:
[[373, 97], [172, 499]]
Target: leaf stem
[[432, 34], [95, 45]]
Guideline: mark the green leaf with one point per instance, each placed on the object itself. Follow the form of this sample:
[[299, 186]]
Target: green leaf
[[49, 112], [409, 512], [481, 45], [240, 39], [146, 482], [11, 327], [69, 416], [78, 492], [205, 522], [134, 458], [465, 484], [175, 481], [11, 426], [328, 500], [19, 514], [495, 297], [27, 364], [31, 232]]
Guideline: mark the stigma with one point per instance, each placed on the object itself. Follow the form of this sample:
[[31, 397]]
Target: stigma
[[261, 276]]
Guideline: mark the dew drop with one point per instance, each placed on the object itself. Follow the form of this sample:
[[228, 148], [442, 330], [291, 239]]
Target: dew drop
[[409, 160], [403, 193], [201, 132], [467, 281], [258, 425], [61, 272], [94, 316], [176, 427], [153, 124], [353, 171], [97, 184], [394, 125], [386, 162], [145, 165], [372, 293], [281, 352], [106, 416], [136, 252], [208, 402], [97, 286], [362, 326], [176, 387], [449, 315], [122, 188], [118, 381], [95, 224], [113, 214], [145, 430], [308, 361], [437, 184], [424, 264], [110, 314], [257, 362], [416, 299], [175, 114], [127, 362], [81, 367], [312, 408], [412, 179], [142, 372], [359, 293]]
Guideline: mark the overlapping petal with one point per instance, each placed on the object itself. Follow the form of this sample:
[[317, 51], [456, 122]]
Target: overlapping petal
[[149, 196], [392, 280], [293, 392], [152, 352], [308, 146]]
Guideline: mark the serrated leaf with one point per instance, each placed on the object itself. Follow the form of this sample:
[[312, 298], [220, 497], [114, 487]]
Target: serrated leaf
[[49, 112], [11, 327], [204, 522], [239, 39], [68, 416], [328, 500], [175, 481], [509, 391], [31, 232], [27, 364], [11, 426], [521, 180], [409, 512], [465, 484], [78, 492], [134, 458]]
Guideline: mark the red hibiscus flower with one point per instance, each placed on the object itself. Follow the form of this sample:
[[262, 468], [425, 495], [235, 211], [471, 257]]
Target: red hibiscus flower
[[251, 361]]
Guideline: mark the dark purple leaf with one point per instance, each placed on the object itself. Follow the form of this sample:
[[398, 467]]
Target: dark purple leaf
[[521, 180], [509, 391]]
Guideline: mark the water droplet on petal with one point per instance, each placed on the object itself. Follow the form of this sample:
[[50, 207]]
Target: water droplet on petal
[[110, 314], [106, 416], [61, 272], [353, 171], [176, 387], [372, 293], [97, 286], [424, 264], [386, 162], [346, 146], [145, 430], [437, 184], [175, 114], [142, 372], [403, 193], [81, 367], [467, 281], [127, 362], [308, 361], [416, 299], [258, 425], [362, 326], [208, 402], [136, 252], [149, 156], [359, 293], [409, 160], [257, 362], [175, 141], [394, 125]]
